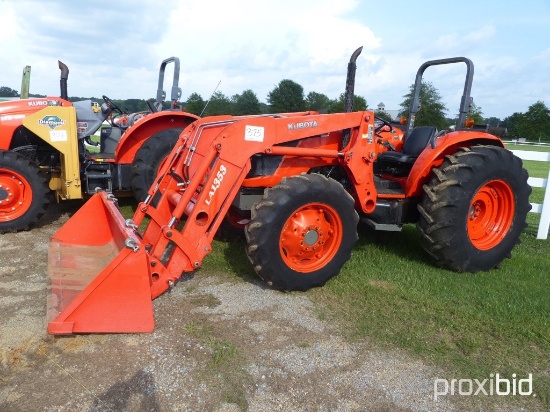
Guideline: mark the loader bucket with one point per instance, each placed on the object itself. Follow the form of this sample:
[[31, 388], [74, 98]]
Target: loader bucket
[[98, 272]]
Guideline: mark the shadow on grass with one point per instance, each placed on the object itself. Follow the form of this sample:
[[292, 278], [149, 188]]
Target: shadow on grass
[[404, 245], [235, 256]]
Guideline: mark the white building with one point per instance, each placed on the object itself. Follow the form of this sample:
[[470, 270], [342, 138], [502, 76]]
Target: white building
[[393, 113]]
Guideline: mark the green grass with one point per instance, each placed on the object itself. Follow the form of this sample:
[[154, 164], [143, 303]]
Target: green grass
[[536, 169], [471, 325], [528, 147]]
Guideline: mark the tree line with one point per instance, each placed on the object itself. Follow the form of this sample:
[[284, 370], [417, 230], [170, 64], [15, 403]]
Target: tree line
[[289, 96]]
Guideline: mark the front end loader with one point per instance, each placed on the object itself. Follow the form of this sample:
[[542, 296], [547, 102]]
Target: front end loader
[[297, 184], [46, 149]]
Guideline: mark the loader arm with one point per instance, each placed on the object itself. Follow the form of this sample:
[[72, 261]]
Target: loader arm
[[172, 230], [195, 189]]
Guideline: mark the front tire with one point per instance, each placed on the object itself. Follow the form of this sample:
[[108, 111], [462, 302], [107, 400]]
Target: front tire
[[302, 232], [24, 192], [474, 209], [149, 159]]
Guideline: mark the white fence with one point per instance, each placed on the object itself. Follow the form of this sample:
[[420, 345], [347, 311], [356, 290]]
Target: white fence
[[544, 208]]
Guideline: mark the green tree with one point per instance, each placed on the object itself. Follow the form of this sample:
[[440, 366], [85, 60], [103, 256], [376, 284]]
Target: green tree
[[246, 103], [493, 121], [383, 115], [359, 104], [318, 102], [218, 104], [194, 104], [432, 110], [8, 92], [536, 124], [264, 107], [134, 105], [476, 114], [287, 96], [514, 125]]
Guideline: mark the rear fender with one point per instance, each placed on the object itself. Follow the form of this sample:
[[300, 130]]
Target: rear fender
[[146, 127], [433, 157]]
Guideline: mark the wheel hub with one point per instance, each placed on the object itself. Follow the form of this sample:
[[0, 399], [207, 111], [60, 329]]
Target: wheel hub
[[491, 214], [476, 210], [311, 237], [14, 198], [3, 194], [7, 198]]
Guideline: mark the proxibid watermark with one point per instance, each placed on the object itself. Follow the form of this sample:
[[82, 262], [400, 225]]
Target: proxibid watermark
[[494, 385]]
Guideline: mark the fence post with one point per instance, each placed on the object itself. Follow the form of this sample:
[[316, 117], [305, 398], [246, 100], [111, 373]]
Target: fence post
[[544, 223], [544, 209]]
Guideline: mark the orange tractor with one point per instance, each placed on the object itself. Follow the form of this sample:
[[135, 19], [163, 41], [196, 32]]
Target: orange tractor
[[297, 184], [44, 149]]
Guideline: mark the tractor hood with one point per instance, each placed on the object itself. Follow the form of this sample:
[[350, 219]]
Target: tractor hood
[[27, 106], [12, 112]]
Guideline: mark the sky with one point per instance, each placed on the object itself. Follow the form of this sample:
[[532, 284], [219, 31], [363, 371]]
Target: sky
[[115, 48]]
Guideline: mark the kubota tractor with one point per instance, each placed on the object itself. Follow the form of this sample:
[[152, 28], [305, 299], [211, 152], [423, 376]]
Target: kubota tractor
[[298, 183], [43, 149]]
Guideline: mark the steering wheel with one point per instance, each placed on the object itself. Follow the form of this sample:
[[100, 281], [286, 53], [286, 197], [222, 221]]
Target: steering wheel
[[385, 143], [112, 104], [384, 123]]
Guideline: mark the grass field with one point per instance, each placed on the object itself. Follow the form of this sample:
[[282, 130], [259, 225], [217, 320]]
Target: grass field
[[471, 325]]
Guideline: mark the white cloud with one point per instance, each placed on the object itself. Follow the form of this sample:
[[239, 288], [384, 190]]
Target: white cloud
[[116, 48], [8, 24], [254, 45]]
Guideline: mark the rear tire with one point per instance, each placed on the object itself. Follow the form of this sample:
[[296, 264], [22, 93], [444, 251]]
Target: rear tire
[[149, 159], [302, 232], [24, 192], [474, 209]]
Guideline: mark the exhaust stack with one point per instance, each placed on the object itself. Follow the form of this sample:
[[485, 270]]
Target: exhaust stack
[[63, 80], [350, 81], [349, 95]]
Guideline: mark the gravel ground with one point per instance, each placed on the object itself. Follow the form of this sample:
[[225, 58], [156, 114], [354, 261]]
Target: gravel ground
[[218, 345]]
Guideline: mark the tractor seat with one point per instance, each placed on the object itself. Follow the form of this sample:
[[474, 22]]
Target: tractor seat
[[400, 163]]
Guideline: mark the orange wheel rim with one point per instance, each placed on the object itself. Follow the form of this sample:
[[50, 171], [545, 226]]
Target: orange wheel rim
[[15, 195], [491, 214], [311, 237]]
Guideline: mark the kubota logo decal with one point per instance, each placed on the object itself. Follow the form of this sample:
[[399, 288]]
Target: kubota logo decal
[[38, 103], [302, 125], [51, 121]]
